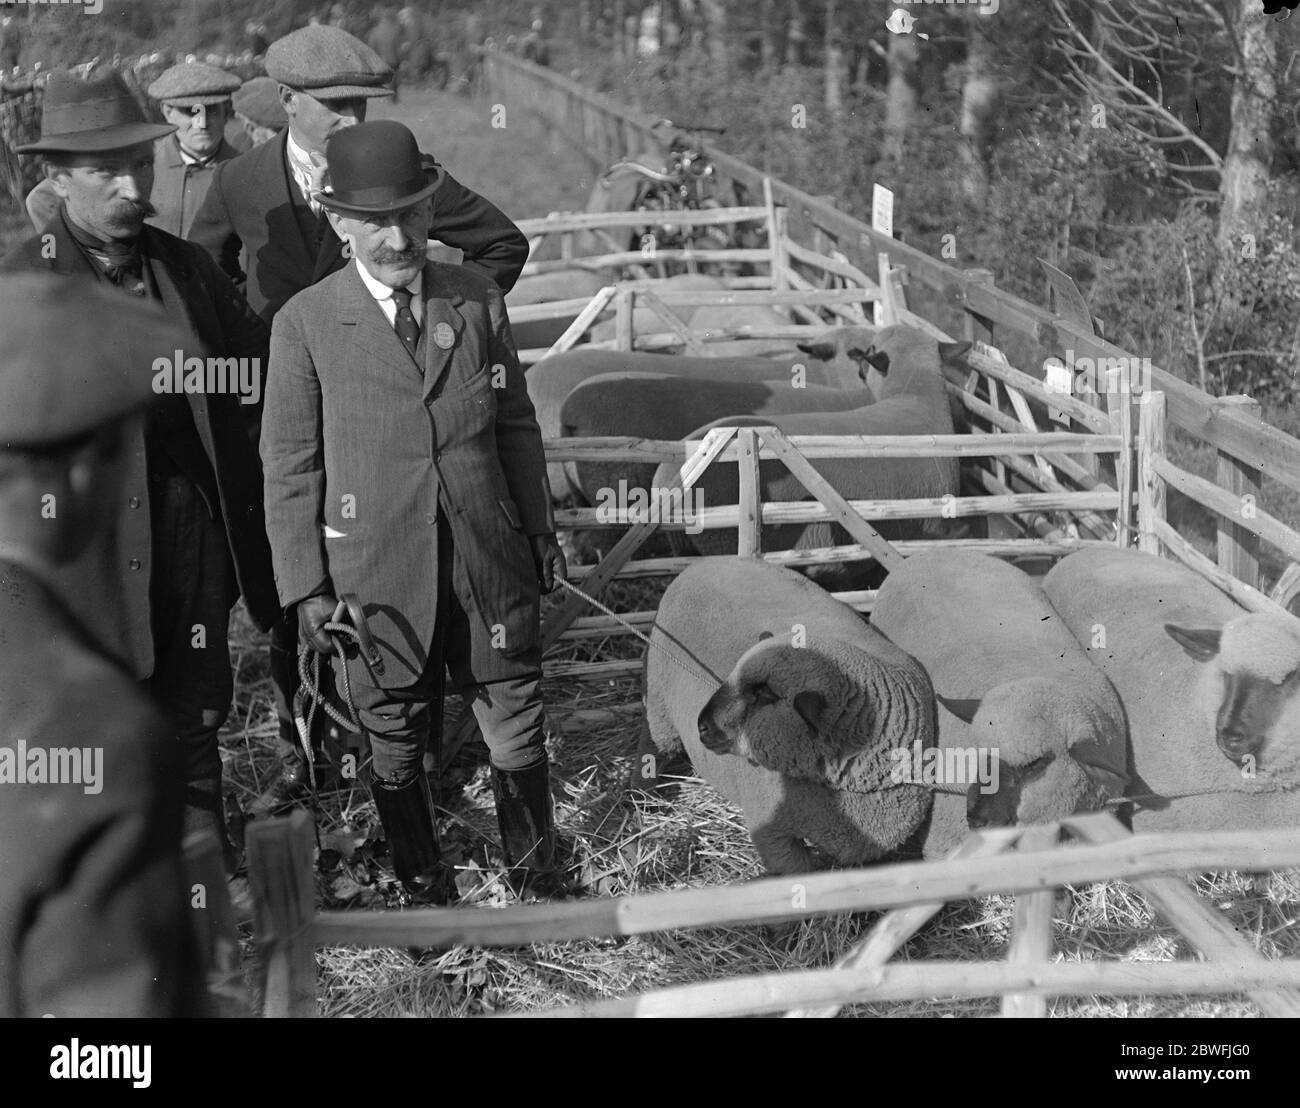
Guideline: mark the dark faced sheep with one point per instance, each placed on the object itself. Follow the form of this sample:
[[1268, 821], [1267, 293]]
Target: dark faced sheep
[[801, 730], [1012, 682], [553, 379], [901, 367], [1212, 692]]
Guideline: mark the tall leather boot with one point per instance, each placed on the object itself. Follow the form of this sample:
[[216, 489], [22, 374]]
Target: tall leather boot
[[206, 810], [526, 818], [406, 812]]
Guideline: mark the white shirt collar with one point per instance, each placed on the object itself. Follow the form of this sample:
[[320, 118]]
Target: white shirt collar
[[381, 291], [297, 155]]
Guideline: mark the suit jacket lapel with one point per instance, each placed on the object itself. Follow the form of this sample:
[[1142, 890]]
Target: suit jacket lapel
[[368, 327], [169, 273], [67, 257], [440, 313]]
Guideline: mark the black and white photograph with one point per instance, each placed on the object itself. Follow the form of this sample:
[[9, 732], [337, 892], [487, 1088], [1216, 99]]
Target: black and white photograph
[[649, 508]]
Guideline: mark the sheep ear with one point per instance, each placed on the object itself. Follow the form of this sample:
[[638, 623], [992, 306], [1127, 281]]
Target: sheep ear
[[951, 351], [820, 349], [810, 705], [1092, 760], [1201, 643], [964, 710]]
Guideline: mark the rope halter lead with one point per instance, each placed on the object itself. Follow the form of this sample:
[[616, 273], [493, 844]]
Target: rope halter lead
[[355, 633]]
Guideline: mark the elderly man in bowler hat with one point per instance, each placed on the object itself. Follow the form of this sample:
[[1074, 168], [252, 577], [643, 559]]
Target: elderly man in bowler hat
[[262, 212], [195, 100], [192, 535], [94, 918], [404, 464]]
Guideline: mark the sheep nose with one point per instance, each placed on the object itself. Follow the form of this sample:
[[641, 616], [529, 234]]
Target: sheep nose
[[711, 737], [1237, 744]]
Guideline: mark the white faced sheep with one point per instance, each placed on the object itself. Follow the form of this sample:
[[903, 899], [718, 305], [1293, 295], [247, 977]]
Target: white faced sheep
[[801, 730], [902, 368], [1016, 694], [1212, 692]]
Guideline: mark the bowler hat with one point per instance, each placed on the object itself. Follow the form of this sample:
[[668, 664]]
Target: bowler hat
[[376, 167], [328, 63], [77, 355], [91, 115]]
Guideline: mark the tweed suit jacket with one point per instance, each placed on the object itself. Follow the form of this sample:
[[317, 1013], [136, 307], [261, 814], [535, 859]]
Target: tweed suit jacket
[[196, 295], [365, 456], [255, 205], [94, 920]]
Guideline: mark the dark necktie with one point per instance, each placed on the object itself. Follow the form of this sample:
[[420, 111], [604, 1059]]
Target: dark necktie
[[122, 265], [407, 329]]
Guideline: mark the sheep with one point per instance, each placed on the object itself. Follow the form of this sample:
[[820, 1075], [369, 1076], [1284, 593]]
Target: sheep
[[563, 284], [1011, 680], [901, 367], [799, 733], [647, 320], [667, 406], [1212, 691], [553, 379]]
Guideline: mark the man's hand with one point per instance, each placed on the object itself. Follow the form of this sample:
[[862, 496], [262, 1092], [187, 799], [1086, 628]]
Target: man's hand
[[549, 560], [313, 614]]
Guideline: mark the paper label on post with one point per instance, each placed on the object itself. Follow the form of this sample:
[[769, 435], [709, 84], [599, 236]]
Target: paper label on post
[[1059, 379], [882, 210]]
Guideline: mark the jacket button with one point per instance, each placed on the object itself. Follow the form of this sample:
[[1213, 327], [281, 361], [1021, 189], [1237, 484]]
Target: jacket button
[[430, 517], [133, 502], [134, 563]]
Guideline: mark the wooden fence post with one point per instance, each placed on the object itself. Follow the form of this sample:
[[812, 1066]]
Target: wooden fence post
[[623, 323], [1119, 408], [1031, 937], [750, 543], [1151, 486], [978, 328], [283, 884], [215, 932], [1238, 548]]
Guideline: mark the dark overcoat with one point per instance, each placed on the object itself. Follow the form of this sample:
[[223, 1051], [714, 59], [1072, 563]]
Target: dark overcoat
[[365, 456], [255, 205], [199, 297], [93, 909]]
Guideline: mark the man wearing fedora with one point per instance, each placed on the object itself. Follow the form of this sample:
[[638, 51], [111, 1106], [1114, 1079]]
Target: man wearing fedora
[[94, 919], [265, 226], [196, 100], [404, 464], [192, 535]]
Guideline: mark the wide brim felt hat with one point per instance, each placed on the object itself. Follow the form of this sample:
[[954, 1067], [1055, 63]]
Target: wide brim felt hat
[[377, 167], [91, 115]]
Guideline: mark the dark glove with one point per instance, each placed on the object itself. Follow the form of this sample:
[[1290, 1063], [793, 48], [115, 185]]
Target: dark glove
[[549, 560], [313, 614]]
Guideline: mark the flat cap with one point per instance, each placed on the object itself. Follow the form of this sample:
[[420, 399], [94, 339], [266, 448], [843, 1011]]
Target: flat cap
[[259, 100], [76, 356], [191, 83], [328, 63]]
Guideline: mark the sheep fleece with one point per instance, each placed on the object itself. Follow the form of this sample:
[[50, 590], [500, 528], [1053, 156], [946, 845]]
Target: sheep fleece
[[717, 610]]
